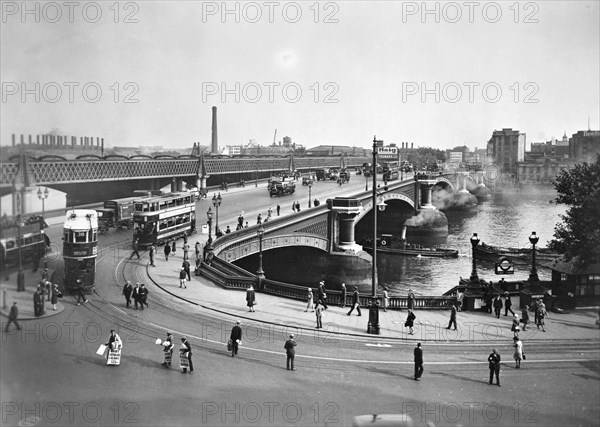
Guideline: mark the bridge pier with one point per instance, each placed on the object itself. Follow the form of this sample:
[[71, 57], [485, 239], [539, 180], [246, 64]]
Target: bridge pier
[[429, 221], [343, 211], [463, 200], [481, 192]]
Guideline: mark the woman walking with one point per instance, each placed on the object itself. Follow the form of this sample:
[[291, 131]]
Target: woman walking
[[309, 301], [250, 298], [541, 315], [518, 355], [525, 317], [410, 321], [516, 328], [386, 298]]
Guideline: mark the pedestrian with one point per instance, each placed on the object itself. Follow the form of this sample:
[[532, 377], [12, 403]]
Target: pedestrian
[[497, 306], [144, 295], [294, 206], [309, 300], [269, 211], [168, 346], [127, 290], [319, 314], [185, 351], [418, 361], [174, 246], [525, 317], [186, 266], [250, 298], [542, 313], [343, 296], [278, 209], [410, 319], [508, 305], [459, 300], [290, 352], [515, 328], [152, 253], [186, 248], [322, 295], [246, 225], [56, 294], [259, 219], [452, 318], [114, 343], [355, 302], [167, 251], [197, 247], [135, 246], [236, 338], [13, 316], [240, 221], [182, 277], [518, 355], [137, 296], [37, 311], [411, 300], [494, 366], [298, 206], [80, 294], [48, 290], [386, 298]]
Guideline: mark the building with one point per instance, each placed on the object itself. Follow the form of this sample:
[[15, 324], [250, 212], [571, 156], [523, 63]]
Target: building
[[505, 148], [585, 145], [337, 150], [573, 285]]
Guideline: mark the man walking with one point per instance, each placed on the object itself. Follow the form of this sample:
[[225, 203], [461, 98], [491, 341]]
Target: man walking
[[355, 302], [186, 351], [144, 295], [152, 253], [319, 314], [508, 305], [167, 251], [127, 290], [236, 338], [321, 295], [497, 306], [80, 294], [452, 318], [135, 246], [290, 352], [418, 362], [186, 249], [494, 365], [278, 209], [12, 317], [137, 298], [186, 267], [197, 248], [182, 276]]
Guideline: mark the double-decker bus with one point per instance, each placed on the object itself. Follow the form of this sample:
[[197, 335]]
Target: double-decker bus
[[33, 241], [161, 218], [391, 170], [80, 248]]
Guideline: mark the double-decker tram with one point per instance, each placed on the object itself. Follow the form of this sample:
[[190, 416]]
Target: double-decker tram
[[32, 243], [80, 248], [161, 218]]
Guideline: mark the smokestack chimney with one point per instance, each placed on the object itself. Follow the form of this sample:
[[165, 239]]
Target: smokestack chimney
[[214, 146], [412, 145]]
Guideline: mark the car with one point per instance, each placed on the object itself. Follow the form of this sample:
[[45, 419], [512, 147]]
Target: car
[[281, 188], [307, 180]]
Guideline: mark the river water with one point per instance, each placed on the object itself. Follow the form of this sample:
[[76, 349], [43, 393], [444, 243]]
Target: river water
[[503, 221]]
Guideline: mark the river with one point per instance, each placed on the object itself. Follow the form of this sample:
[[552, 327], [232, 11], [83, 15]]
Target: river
[[502, 221]]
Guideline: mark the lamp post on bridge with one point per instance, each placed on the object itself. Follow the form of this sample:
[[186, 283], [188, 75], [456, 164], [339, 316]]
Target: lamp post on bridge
[[260, 274], [216, 201], [474, 242], [43, 196], [533, 276], [20, 274], [309, 193]]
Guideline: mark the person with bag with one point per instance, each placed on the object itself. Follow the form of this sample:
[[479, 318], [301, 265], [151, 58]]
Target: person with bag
[[355, 302], [518, 355], [290, 352], [410, 321], [494, 365], [236, 338], [114, 343], [250, 298]]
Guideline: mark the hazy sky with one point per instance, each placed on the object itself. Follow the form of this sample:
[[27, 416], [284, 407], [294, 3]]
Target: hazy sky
[[360, 69]]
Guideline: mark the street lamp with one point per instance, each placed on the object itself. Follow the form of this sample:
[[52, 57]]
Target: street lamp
[[474, 242], [216, 201], [209, 216], [43, 196], [309, 193], [20, 274], [533, 276], [260, 274], [366, 179]]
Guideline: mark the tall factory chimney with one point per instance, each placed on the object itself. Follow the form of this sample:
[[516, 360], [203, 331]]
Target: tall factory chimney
[[214, 147]]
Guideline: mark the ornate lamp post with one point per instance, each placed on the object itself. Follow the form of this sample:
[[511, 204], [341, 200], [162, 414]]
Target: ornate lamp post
[[474, 242], [209, 216], [260, 274], [309, 193], [43, 196], [533, 276], [216, 201], [20, 274]]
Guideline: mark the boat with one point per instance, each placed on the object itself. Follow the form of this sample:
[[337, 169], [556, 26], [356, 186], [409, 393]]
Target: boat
[[415, 250], [491, 253]]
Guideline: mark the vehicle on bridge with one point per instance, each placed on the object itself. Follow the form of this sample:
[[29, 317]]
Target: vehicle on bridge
[[345, 176], [307, 180], [80, 249], [116, 213], [33, 242], [281, 188], [391, 170], [162, 218]]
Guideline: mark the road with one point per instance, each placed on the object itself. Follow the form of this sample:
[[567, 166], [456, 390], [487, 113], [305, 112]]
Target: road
[[52, 376]]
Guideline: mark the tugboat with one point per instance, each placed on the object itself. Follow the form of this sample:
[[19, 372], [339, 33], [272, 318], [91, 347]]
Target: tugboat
[[391, 245], [518, 255]]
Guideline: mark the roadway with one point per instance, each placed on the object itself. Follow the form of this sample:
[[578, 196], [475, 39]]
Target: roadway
[[337, 377]]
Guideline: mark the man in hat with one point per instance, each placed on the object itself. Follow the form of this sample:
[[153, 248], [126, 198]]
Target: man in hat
[[182, 277], [355, 302], [418, 361], [12, 317], [127, 290], [144, 295], [321, 295], [290, 352], [80, 294], [235, 337], [508, 305], [137, 296], [186, 350]]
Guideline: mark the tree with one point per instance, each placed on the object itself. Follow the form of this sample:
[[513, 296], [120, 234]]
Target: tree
[[578, 236]]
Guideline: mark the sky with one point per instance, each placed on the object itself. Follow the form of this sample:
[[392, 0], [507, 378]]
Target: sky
[[435, 74]]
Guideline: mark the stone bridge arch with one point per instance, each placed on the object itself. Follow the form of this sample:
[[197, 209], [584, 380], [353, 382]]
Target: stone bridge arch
[[367, 206]]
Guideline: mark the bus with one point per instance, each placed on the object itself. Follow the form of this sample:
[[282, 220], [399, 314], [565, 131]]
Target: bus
[[162, 218], [117, 213], [80, 249], [33, 242], [391, 170]]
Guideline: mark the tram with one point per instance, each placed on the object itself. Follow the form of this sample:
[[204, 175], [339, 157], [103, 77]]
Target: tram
[[33, 242], [80, 248], [161, 218]]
